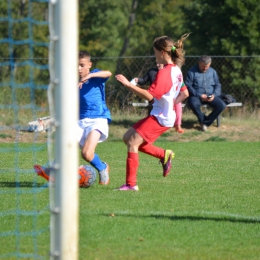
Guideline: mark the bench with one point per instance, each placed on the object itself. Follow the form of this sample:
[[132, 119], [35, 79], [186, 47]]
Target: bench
[[229, 106]]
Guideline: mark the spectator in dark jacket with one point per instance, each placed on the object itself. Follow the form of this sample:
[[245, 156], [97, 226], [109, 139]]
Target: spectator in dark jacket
[[204, 88]]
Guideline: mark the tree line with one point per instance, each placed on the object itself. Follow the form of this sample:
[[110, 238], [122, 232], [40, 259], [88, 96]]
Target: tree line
[[127, 28]]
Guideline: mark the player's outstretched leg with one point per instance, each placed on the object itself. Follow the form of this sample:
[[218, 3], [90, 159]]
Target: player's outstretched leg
[[132, 163], [167, 162], [42, 171]]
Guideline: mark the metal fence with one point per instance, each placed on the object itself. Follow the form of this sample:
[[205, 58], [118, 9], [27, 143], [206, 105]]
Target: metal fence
[[239, 76]]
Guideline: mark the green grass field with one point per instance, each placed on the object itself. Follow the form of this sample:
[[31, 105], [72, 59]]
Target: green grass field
[[207, 208]]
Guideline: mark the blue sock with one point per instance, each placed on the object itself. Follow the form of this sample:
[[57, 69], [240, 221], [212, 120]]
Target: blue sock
[[97, 163]]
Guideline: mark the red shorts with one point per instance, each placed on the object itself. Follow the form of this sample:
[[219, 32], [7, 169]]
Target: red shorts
[[149, 129]]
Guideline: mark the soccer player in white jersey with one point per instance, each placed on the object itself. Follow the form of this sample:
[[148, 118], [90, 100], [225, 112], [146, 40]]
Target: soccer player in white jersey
[[166, 90], [94, 117]]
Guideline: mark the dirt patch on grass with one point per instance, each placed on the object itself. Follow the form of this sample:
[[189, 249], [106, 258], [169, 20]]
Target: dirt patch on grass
[[234, 129], [223, 133], [14, 136]]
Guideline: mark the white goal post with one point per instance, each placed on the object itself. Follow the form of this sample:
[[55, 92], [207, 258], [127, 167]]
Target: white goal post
[[63, 67]]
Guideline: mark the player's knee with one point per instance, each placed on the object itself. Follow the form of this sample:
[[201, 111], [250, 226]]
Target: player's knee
[[87, 155], [125, 139], [132, 144]]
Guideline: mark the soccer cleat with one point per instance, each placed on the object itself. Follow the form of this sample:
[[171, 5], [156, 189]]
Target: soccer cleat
[[42, 171], [179, 130], [104, 175], [128, 187], [167, 162]]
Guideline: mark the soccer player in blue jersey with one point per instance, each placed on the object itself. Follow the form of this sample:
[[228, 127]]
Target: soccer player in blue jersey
[[94, 117]]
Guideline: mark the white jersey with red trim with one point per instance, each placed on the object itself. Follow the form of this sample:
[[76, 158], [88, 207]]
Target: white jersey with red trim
[[165, 88]]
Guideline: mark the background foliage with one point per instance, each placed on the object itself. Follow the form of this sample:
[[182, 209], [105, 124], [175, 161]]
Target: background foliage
[[228, 28], [127, 29]]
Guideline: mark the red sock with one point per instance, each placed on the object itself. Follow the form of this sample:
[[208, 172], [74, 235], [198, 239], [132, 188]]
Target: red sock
[[152, 150], [132, 163]]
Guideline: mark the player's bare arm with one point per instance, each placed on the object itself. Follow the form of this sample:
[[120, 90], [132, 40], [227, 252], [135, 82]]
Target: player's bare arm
[[99, 74], [182, 96], [143, 93]]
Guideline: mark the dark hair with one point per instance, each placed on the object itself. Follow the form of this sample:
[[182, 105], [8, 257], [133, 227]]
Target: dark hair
[[205, 59], [166, 44], [84, 54]]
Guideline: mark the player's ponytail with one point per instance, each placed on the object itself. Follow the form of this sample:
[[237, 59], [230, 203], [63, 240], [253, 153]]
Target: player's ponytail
[[177, 51], [174, 49]]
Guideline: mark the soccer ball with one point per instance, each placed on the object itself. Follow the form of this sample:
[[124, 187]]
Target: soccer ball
[[87, 176]]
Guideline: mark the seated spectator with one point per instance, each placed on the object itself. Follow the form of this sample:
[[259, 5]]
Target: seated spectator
[[204, 88]]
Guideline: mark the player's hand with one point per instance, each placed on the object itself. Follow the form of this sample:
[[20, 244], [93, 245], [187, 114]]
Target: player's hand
[[83, 80], [204, 97], [210, 99], [121, 78]]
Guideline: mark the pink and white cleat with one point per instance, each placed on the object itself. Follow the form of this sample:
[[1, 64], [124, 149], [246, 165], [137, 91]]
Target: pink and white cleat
[[128, 187]]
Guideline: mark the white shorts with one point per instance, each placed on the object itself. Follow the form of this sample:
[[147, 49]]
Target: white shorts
[[86, 125]]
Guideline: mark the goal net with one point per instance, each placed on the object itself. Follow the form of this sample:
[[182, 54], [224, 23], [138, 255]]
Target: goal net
[[33, 214]]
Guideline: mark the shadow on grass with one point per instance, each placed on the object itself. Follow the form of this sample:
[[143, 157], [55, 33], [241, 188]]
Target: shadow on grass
[[216, 139], [235, 219], [126, 123], [199, 218], [24, 184], [5, 136], [189, 124]]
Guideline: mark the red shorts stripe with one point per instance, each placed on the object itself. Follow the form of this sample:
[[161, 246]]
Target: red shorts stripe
[[149, 129]]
